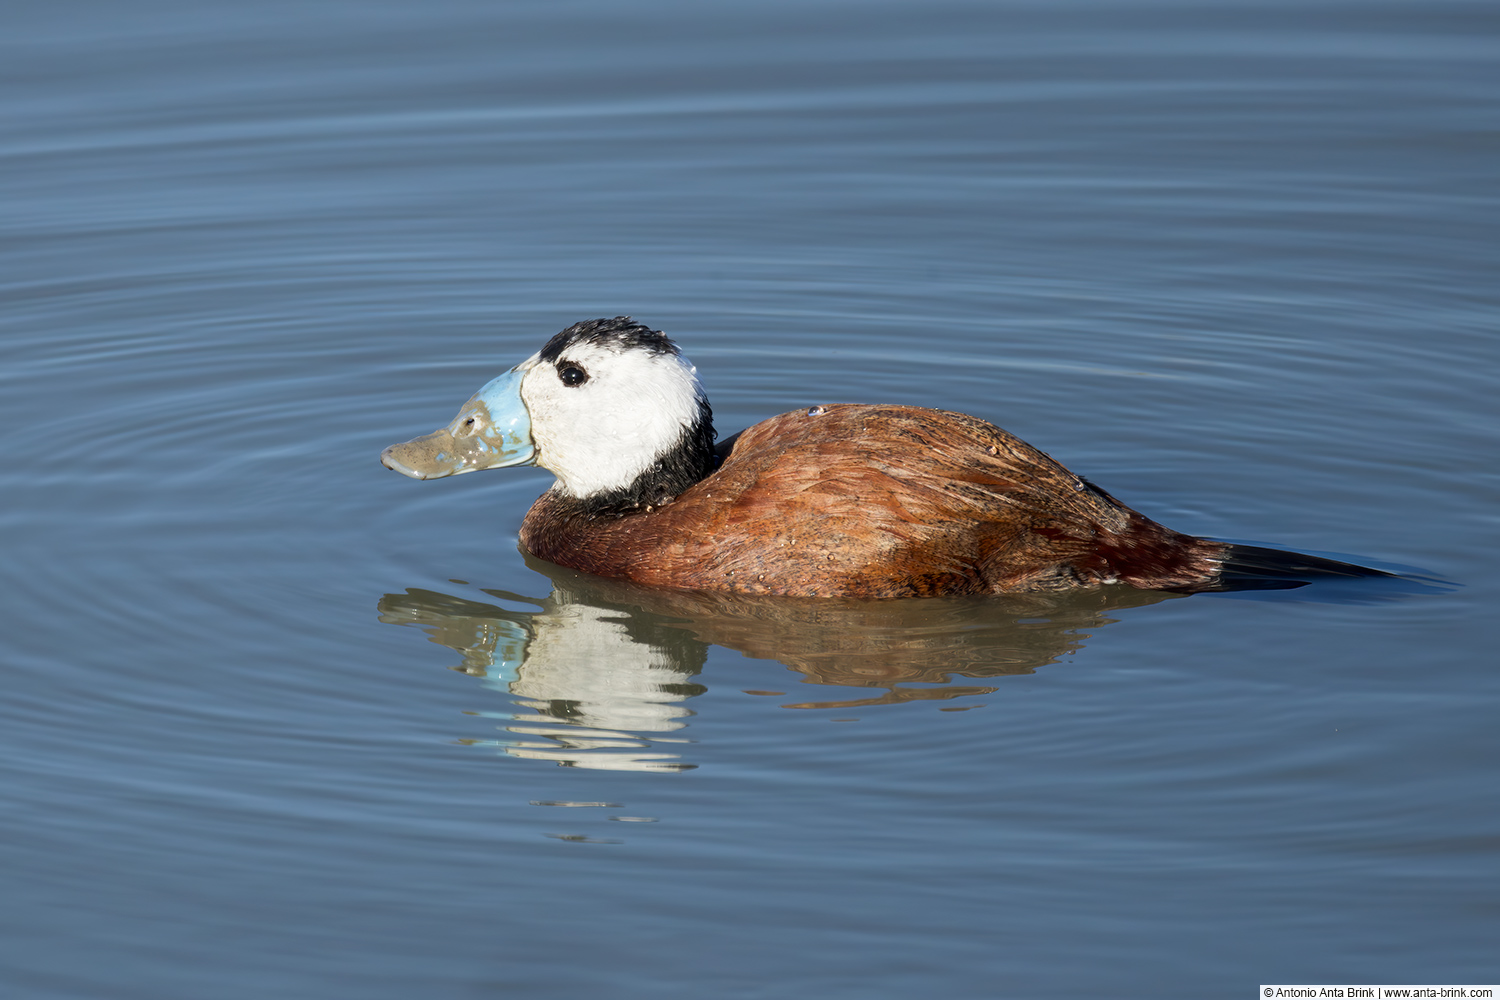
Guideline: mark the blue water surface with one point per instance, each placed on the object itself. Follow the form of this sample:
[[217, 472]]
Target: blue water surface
[[279, 722]]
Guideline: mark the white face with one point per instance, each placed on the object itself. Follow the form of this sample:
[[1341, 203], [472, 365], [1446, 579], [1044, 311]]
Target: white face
[[603, 432]]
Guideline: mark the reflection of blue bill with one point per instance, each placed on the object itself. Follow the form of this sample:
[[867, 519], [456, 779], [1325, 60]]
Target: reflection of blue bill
[[587, 688]]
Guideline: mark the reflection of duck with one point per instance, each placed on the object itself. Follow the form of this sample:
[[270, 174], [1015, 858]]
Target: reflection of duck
[[833, 501], [614, 655], [887, 646]]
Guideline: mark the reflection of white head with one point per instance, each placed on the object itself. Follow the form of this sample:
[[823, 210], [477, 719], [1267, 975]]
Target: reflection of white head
[[584, 656], [610, 399]]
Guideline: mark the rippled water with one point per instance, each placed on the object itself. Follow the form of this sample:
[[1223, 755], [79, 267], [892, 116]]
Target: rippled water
[[1236, 263]]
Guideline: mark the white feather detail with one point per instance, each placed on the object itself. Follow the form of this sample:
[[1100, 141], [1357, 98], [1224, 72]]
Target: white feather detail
[[603, 434]]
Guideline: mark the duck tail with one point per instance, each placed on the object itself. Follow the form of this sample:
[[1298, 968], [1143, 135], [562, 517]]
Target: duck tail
[[1253, 567]]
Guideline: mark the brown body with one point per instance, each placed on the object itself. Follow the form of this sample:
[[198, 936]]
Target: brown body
[[877, 502]]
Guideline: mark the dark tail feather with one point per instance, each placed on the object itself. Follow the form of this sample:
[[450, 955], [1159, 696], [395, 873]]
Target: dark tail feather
[[1251, 567]]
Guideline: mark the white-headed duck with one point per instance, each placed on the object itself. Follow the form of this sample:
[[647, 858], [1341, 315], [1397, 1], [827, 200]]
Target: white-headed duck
[[844, 500]]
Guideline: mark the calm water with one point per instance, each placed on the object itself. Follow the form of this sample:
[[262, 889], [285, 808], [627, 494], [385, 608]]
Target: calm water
[[1235, 262]]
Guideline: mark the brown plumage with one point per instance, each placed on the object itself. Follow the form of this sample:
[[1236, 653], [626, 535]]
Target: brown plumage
[[876, 502]]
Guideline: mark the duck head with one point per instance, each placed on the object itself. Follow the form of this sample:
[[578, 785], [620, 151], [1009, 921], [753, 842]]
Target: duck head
[[609, 406]]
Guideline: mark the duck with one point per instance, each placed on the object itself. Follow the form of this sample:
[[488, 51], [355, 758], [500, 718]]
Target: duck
[[846, 500]]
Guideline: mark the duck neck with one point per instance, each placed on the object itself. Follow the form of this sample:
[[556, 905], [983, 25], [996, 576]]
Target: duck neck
[[689, 461]]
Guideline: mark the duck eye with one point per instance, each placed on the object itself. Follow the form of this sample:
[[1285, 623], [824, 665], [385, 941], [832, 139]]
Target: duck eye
[[572, 375]]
